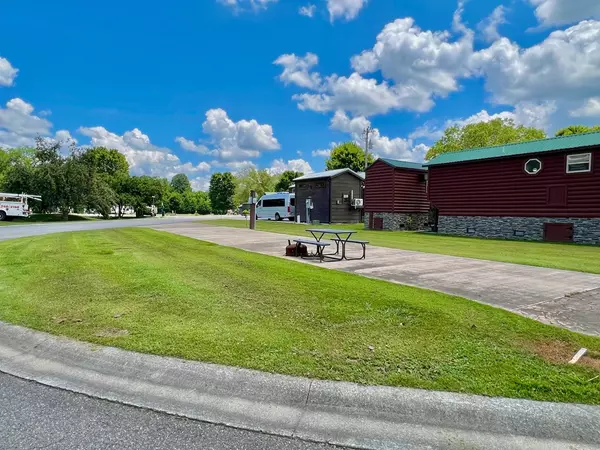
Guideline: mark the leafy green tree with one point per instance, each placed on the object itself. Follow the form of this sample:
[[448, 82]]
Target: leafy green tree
[[106, 170], [483, 134], [181, 183], [286, 179], [16, 170], [576, 129], [175, 202], [189, 204], [251, 179], [202, 203], [221, 192], [348, 155]]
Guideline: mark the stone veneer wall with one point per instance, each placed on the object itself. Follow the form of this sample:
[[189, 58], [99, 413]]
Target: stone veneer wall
[[585, 231], [401, 221]]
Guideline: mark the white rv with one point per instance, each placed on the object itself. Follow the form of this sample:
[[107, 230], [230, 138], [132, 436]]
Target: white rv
[[276, 206], [15, 205]]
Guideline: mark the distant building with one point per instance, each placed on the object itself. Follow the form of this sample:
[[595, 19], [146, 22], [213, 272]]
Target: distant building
[[396, 195], [333, 194], [540, 190]]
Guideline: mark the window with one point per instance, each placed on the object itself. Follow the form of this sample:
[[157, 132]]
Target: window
[[471, 230], [274, 203], [292, 201], [320, 185], [579, 163], [533, 166], [518, 233]]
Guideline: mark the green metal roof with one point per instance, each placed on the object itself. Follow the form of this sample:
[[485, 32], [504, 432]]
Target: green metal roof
[[522, 148], [403, 164]]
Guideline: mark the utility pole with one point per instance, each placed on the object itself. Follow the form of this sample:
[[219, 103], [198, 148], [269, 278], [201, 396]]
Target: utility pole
[[367, 133]]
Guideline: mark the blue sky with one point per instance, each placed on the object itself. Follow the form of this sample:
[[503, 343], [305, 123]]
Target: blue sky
[[214, 85]]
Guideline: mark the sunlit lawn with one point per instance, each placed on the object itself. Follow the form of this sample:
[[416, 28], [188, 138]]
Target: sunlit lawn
[[155, 292]]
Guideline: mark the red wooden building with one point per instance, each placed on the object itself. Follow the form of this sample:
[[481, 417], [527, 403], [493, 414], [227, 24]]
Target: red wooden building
[[539, 190], [395, 196]]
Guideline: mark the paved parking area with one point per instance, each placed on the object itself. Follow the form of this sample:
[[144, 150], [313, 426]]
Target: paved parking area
[[559, 297]]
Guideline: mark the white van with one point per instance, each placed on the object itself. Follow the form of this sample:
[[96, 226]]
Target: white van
[[276, 206]]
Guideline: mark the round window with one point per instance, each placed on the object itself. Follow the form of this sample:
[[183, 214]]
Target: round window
[[533, 166]]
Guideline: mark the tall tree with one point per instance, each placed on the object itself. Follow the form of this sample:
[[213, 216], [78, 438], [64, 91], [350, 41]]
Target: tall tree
[[286, 179], [181, 183], [348, 155], [251, 179], [483, 134], [576, 129], [221, 192], [202, 203], [106, 170]]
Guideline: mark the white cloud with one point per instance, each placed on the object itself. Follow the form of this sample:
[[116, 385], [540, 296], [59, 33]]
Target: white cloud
[[489, 26], [590, 108], [144, 158], [279, 166], [563, 12], [565, 66], [308, 10], [528, 114], [296, 70], [426, 62], [242, 5], [236, 140], [191, 146], [346, 9], [7, 72], [323, 153], [362, 96], [19, 126], [382, 146]]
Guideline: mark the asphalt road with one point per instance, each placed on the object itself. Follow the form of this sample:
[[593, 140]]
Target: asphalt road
[[18, 231], [33, 416]]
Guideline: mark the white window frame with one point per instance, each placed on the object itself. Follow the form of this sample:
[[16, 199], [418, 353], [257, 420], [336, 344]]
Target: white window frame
[[533, 173], [589, 157]]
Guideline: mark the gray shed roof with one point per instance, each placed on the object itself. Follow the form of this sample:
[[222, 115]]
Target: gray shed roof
[[328, 174]]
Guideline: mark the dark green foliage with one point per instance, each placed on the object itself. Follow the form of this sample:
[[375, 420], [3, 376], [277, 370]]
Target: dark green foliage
[[221, 192], [348, 156]]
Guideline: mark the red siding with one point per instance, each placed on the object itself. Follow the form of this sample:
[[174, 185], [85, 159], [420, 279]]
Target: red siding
[[389, 189], [410, 191], [501, 187], [379, 188]]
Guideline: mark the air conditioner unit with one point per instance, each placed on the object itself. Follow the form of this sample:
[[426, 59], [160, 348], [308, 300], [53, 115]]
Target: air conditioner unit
[[357, 203]]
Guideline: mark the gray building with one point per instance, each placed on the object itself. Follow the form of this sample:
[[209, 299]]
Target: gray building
[[333, 194]]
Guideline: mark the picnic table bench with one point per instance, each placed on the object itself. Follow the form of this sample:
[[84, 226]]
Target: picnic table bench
[[320, 247], [342, 237]]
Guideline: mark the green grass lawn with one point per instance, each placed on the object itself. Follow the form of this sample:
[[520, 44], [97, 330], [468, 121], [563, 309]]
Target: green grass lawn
[[159, 293], [581, 258], [43, 218]]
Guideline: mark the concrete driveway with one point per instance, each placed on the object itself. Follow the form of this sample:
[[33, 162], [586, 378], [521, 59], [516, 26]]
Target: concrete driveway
[[564, 298]]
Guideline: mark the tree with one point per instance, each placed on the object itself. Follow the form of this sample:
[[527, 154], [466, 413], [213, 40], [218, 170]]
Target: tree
[[106, 170], [202, 203], [576, 129], [221, 192], [181, 183], [175, 202], [251, 179], [483, 134], [348, 155], [286, 179]]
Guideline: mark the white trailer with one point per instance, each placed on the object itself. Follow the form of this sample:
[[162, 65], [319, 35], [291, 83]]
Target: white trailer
[[15, 205]]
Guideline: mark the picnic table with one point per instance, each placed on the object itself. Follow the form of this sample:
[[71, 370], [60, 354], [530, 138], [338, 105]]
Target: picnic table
[[342, 237]]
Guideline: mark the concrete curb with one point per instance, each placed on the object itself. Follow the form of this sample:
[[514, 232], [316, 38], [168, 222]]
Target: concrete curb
[[345, 414]]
